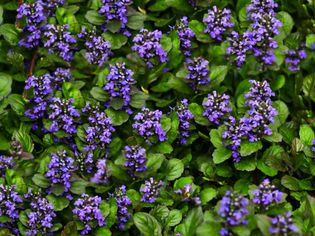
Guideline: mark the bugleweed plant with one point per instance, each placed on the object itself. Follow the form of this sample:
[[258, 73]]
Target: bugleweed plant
[[157, 117]]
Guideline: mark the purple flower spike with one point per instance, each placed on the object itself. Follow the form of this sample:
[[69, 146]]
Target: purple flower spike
[[198, 71], [88, 212], [233, 209], [282, 225], [185, 35], [266, 194], [101, 176], [151, 190], [293, 59], [147, 45], [147, 123], [10, 202], [216, 106], [123, 201], [217, 22], [135, 159], [184, 118], [5, 163]]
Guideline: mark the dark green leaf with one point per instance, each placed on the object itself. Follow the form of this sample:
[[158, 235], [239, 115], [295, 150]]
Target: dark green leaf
[[174, 169], [147, 224]]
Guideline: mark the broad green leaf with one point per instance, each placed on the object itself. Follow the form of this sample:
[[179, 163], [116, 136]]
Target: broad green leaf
[[41, 181], [5, 84], [103, 231], [174, 169], [99, 94], [94, 18], [218, 73], [117, 117], [136, 21], [10, 34], [70, 229], [216, 138], [309, 86], [246, 164], [306, 134], [147, 224], [154, 162], [192, 221], [247, 148], [59, 203], [290, 183], [221, 154], [198, 29], [116, 41], [174, 218], [287, 22], [207, 195]]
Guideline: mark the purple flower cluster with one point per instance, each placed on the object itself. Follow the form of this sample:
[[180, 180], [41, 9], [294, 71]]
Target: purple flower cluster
[[88, 212], [97, 49], [255, 123], [63, 115], [217, 22], [259, 38], [233, 210], [43, 86], [101, 175], [58, 40], [147, 123], [264, 26], [119, 82], [236, 130], [84, 160], [185, 35], [282, 225], [184, 117], [198, 71], [52, 4], [216, 106], [123, 201], [261, 112], [151, 190], [41, 215], [293, 59], [5, 163], [116, 10], [100, 129], [60, 169], [9, 202], [35, 16], [187, 193], [147, 45], [266, 194], [135, 159], [240, 44]]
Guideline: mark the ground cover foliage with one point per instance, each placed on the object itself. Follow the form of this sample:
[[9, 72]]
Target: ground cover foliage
[[157, 117]]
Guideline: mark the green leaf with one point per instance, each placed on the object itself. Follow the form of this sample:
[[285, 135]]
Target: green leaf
[[173, 218], [17, 103], [180, 183], [23, 218], [159, 5], [94, 18], [116, 41], [166, 43], [306, 134], [192, 221], [266, 169], [218, 73], [10, 34], [5, 144], [209, 228], [309, 86], [310, 40], [117, 117], [70, 229], [198, 28], [1, 14], [247, 148], [59, 203], [147, 224], [216, 138], [78, 187], [290, 183], [99, 94], [41, 181], [25, 139], [164, 148], [207, 194], [246, 164], [136, 21], [154, 162], [5, 84], [221, 154], [287, 22], [263, 224], [103, 231], [174, 169], [277, 83], [181, 5]]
